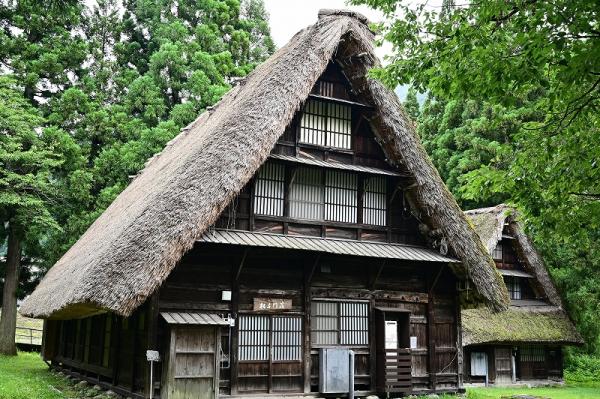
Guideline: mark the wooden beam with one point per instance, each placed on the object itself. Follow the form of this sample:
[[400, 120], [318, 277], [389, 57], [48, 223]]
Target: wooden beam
[[241, 265], [375, 277], [437, 277]]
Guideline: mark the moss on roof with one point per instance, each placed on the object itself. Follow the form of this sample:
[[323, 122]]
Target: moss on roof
[[539, 324]]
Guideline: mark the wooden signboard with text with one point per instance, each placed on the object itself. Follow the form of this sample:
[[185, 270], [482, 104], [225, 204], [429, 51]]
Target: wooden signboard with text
[[272, 304]]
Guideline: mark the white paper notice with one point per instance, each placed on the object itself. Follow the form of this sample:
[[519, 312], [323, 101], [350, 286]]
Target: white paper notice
[[413, 342]]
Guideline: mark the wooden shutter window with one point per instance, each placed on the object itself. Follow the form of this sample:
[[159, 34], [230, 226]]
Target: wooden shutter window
[[306, 194], [341, 196], [326, 124], [106, 341], [340, 323], [264, 337], [269, 190], [325, 323], [313, 124], [254, 338], [513, 285], [287, 338], [497, 253], [375, 201], [354, 323], [339, 123]]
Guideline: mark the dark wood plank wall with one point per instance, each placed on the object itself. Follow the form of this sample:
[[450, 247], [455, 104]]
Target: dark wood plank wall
[[550, 366], [196, 284], [104, 349]]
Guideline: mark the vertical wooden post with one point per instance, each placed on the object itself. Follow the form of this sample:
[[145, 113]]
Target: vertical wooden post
[[116, 349], [431, 355], [135, 317], [309, 271], [459, 348], [152, 338], [235, 306], [372, 344]]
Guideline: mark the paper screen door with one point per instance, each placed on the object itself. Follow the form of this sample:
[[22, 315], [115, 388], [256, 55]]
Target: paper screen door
[[391, 334]]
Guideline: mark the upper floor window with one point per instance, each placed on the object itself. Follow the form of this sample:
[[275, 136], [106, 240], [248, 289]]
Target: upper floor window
[[326, 124], [513, 285], [269, 190], [374, 201], [340, 196], [497, 254], [320, 194]]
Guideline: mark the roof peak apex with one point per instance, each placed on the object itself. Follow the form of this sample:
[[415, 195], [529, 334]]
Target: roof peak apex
[[327, 12]]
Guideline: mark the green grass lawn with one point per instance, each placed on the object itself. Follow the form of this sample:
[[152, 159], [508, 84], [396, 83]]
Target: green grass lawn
[[26, 376], [565, 392]]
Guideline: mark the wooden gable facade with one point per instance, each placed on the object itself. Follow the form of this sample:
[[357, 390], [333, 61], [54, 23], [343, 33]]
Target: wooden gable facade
[[319, 250]]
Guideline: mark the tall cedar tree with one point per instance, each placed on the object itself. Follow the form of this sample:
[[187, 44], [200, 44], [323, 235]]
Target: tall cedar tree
[[114, 83], [28, 157]]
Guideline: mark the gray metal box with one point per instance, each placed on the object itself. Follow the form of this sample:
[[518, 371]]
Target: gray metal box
[[334, 370]]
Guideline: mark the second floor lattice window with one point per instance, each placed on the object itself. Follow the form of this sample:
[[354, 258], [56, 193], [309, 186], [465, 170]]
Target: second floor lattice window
[[497, 253], [306, 194], [269, 190], [326, 124], [340, 196], [320, 194], [513, 285], [375, 201]]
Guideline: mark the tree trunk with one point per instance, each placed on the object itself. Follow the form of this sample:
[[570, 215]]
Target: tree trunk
[[8, 320]]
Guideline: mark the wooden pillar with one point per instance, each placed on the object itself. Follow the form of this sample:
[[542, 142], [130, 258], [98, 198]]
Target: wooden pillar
[[459, 348], [372, 344], [235, 305], [309, 271], [152, 338], [372, 285], [431, 342], [116, 348]]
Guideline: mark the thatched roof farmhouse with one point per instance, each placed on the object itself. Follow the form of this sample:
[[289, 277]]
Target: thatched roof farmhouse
[[536, 324], [134, 245], [296, 220]]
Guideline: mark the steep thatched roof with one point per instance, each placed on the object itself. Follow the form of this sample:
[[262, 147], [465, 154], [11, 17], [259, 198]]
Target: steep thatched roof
[[133, 246], [518, 325], [489, 223]]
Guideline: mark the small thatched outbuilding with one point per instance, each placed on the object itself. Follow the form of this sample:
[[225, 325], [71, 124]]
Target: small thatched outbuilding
[[299, 214], [524, 342]]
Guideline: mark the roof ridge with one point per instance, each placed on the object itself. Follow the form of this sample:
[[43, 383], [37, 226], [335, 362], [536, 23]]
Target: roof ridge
[[336, 12]]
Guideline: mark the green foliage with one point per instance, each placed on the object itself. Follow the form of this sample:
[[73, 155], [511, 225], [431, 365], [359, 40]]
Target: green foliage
[[98, 89], [583, 370], [513, 116], [411, 104], [554, 392]]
